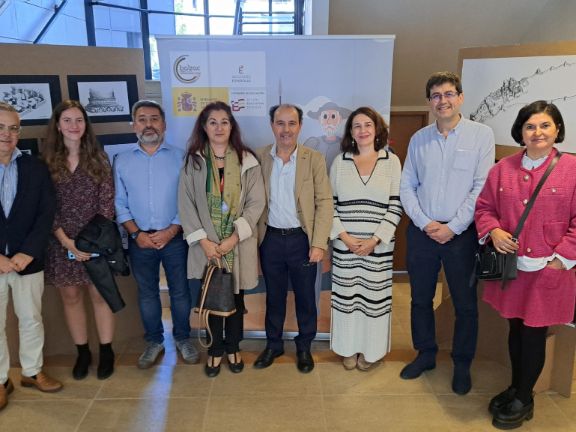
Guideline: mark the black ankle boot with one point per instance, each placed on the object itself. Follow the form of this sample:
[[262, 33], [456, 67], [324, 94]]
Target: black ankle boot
[[513, 414], [502, 399], [106, 361], [80, 370]]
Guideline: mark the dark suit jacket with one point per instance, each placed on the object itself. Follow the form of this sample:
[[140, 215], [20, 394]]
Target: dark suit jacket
[[30, 220]]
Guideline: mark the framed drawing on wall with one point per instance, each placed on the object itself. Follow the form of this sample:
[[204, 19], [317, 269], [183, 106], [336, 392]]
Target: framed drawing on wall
[[28, 145], [117, 143], [107, 98], [33, 96], [114, 144]]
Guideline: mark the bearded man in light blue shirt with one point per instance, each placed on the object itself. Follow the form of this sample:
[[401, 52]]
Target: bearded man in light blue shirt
[[146, 181], [445, 169]]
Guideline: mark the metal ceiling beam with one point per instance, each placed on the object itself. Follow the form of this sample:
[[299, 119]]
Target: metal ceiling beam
[[57, 10], [90, 26], [145, 29], [153, 11]]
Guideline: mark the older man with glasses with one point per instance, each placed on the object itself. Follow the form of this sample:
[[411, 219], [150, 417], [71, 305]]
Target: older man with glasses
[[28, 201], [445, 169]]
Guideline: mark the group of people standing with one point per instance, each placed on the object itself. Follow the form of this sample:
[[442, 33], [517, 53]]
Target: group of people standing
[[220, 200]]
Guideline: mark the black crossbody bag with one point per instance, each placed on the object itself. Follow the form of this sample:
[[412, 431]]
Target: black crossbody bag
[[493, 265]]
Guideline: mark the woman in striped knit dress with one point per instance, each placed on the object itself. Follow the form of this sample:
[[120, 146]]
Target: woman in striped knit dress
[[365, 181]]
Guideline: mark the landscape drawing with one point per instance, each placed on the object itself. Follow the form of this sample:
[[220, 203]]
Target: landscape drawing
[[496, 88]]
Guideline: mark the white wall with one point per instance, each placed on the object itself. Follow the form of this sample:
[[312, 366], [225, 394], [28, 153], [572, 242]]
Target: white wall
[[430, 33], [316, 17]]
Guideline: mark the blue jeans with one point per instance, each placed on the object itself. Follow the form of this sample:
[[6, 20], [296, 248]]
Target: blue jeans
[[146, 270], [425, 257]]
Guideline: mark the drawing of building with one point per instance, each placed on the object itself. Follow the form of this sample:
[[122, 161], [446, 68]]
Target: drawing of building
[[102, 101]]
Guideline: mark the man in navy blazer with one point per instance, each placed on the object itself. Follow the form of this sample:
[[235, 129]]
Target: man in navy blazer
[[28, 204]]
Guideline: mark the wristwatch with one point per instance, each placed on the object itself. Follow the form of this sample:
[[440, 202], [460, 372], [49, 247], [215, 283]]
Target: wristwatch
[[135, 234]]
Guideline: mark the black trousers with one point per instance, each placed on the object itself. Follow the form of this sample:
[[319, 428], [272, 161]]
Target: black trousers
[[227, 332], [284, 258], [425, 258]]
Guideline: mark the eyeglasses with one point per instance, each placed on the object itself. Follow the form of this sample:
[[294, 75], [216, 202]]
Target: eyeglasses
[[12, 130], [437, 97]]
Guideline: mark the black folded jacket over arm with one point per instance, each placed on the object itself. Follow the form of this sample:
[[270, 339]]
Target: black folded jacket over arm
[[101, 236]]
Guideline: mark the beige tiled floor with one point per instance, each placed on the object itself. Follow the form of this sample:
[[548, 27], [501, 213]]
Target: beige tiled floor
[[178, 397]]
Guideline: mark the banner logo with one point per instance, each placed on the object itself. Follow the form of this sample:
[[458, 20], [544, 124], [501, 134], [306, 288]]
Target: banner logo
[[238, 104], [185, 70], [186, 102]]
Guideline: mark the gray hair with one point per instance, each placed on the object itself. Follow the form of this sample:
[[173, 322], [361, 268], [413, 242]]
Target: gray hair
[[148, 103], [7, 107]]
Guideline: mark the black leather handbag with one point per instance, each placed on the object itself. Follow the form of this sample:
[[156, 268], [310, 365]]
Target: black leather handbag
[[216, 296], [493, 265]]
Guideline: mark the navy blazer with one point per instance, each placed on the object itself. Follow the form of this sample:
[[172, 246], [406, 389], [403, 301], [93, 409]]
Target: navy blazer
[[27, 227]]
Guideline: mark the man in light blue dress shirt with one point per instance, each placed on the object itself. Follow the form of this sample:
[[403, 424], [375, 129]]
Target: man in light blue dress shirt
[[146, 181], [445, 169]]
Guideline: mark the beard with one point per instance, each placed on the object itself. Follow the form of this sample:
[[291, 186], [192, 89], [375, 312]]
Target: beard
[[330, 130], [154, 138]]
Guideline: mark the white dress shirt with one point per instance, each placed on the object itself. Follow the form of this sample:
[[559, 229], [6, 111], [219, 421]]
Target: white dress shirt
[[282, 206]]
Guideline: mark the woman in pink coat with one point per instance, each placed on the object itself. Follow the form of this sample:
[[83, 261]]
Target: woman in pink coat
[[544, 292]]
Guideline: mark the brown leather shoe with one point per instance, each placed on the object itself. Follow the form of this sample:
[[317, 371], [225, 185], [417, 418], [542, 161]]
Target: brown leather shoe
[[4, 392], [42, 382]]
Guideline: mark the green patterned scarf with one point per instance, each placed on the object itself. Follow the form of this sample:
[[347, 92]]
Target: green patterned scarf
[[223, 207]]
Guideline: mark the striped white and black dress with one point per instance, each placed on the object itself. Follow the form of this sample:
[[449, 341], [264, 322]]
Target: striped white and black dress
[[362, 286]]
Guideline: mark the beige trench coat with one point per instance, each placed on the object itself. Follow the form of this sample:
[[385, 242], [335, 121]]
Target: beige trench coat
[[197, 225], [312, 191]]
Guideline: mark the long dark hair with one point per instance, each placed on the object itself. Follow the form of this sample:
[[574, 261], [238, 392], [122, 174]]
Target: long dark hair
[[199, 139], [380, 136], [93, 160]]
